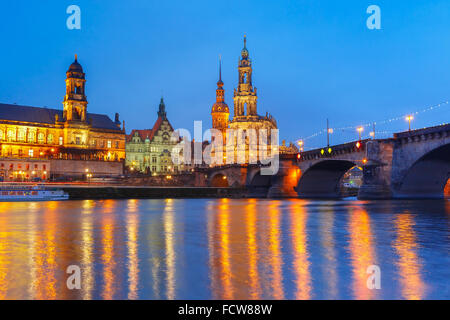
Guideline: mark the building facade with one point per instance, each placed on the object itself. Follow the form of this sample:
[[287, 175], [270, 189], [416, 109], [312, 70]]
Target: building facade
[[245, 118], [71, 139], [150, 150]]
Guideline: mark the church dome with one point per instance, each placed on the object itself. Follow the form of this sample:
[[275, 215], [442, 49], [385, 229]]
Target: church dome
[[75, 66], [220, 107]]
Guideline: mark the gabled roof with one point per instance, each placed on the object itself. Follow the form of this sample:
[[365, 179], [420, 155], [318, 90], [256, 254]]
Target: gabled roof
[[148, 133], [14, 112]]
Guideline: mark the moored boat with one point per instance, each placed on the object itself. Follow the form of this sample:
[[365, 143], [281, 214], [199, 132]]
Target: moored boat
[[13, 192]]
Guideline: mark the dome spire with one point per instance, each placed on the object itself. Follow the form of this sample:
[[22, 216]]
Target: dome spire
[[76, 57], [220, 82]]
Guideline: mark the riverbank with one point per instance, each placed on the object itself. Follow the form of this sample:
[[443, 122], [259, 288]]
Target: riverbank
[[133, 192]]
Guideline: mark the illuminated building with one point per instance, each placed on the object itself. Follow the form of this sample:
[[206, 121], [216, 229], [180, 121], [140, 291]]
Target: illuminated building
[[71, 139], [150, 150], [245, 116]]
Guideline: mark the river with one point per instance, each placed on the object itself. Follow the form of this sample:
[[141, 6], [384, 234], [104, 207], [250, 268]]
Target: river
[[225, 249]]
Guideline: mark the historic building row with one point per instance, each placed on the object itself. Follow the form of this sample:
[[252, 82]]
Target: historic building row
[[73, 140]]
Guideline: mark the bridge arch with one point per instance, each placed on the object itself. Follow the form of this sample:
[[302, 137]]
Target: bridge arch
[[322, 180], [428, 176], [258, 185], [219, 180]]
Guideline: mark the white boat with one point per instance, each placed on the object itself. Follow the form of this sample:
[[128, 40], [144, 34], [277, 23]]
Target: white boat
[[31, 193]]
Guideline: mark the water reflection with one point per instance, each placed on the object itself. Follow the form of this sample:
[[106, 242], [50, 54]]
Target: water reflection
[[362, 251], [241, 249], [169, 229], [329, 266], [132, 243], [252, 249], [299, 217], [409, 267], [107, 257]]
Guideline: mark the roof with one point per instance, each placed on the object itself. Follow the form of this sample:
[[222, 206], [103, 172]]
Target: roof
[[14, 112], [148, 133]]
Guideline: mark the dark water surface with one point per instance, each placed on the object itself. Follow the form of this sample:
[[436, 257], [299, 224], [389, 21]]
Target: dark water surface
[[225, 249]]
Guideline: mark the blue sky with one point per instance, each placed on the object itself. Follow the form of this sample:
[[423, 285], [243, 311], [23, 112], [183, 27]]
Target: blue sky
[[312, 59]]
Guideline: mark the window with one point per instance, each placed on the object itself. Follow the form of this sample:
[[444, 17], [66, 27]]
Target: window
[[21, 135], [94, 142], [154, 160], [41, 138], [109, 143], [50, 139], [31, 136], [30, 152], [77, 140], [1, 134], [61, 140], [117, 144], [11, 135]]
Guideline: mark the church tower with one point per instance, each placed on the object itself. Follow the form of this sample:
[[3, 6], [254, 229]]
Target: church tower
[[162, 109], [75, 103], [220, 112], [245, 95]]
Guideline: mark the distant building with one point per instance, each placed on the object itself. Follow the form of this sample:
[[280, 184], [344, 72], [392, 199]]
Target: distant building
[[72, 139], [150, 150]]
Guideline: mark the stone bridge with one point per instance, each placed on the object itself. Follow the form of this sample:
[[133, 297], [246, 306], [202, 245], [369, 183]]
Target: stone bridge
[[412, 164]]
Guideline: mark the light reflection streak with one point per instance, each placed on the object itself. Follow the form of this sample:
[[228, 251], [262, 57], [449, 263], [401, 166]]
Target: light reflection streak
[[299, 217], [408, 264], [87, 248], [224, 249], [107, 257], [133, 260], [5, 255], [252, 246], [362, 251], [275, 250], [169, 231]]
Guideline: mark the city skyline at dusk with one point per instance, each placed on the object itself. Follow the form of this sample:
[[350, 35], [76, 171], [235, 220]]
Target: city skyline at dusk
[[305, 71]]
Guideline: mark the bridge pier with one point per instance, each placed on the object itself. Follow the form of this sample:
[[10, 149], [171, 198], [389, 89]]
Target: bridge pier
[[377, 171], [283, 184]]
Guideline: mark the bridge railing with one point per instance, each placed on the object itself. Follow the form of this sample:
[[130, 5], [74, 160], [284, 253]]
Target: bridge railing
[[331, 151]]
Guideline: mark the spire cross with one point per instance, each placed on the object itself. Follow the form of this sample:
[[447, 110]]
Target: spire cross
[[245, 41], [220, 67]]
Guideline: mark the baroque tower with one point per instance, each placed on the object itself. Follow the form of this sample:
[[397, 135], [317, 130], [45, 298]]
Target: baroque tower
[[75, 103], [220, 112], [245, 95]]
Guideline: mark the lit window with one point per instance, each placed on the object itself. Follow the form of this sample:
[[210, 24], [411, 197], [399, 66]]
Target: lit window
[[31, 136], [41, 138], [30, 152], [21, 135], [109, 143], [50, 139], [11, 135], [61, 141]]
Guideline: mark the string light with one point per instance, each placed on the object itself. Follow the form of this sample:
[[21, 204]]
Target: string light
[[385, 121]]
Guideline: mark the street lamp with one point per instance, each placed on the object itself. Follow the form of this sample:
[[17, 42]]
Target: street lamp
[[409, 119], [360, 130], [300, 144]]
